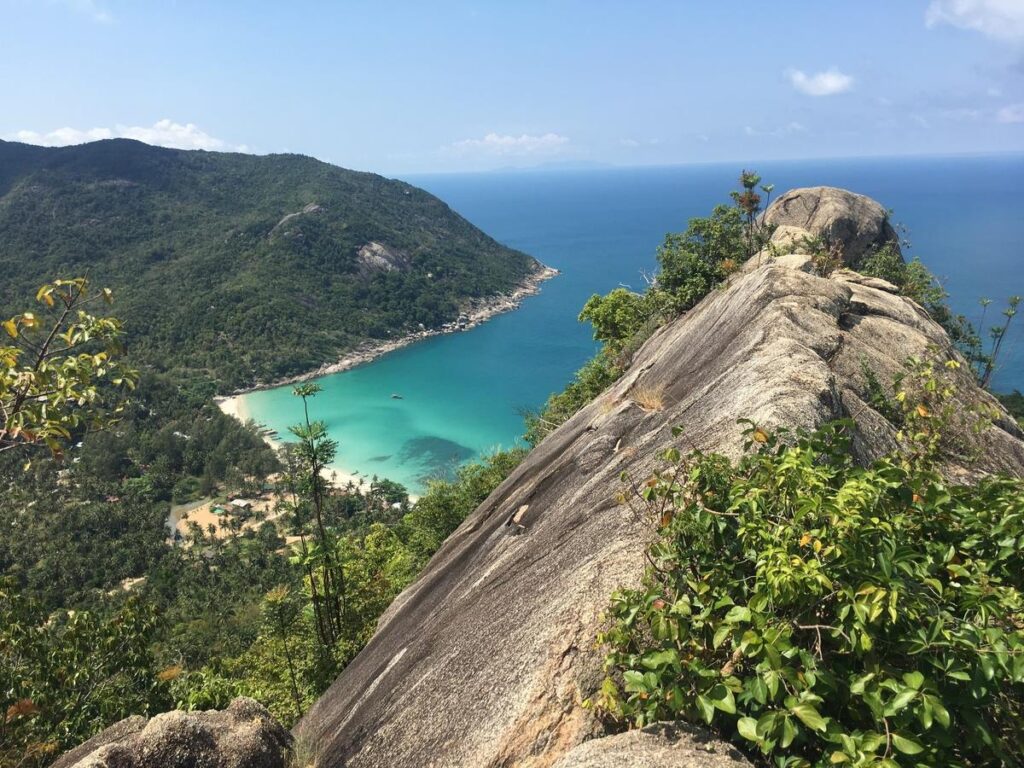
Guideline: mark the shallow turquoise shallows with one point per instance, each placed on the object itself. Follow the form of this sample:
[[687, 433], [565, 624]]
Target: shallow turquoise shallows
[[463, 395]]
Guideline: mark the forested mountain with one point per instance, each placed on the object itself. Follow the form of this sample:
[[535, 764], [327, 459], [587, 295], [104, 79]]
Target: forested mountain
[[240, 267]]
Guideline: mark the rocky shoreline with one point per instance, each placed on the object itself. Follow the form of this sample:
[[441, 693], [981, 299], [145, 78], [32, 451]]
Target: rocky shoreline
[[475, 312]]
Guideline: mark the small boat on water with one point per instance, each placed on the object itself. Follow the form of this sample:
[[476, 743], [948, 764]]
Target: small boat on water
[[395, 397]]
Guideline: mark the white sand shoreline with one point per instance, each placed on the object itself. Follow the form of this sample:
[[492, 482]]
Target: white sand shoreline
[[338, 477]]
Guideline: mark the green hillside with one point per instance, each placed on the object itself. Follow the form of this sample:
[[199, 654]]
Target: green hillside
[[240, 267]]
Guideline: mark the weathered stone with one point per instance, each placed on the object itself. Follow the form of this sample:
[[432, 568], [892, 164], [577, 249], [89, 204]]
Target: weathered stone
[[855, 222], [242, 736], [485, 659], [661, 745], [789, 239]]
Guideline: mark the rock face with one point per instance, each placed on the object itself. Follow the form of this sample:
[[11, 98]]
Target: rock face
[[859, 223], [662, 745], [242, 736], [377, 257], [485, 659]]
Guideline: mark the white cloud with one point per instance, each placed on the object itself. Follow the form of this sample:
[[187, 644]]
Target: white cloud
[[1000, 19], [826, 83], [164, 133], [525, 144], [786, 130], [1011, 113]]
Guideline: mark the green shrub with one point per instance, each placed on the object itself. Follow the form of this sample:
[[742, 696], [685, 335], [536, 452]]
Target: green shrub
[[615, 316], [65, 675], [695, 261], [821, 613]]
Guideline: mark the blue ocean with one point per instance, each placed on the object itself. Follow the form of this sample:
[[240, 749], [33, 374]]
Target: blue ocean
[[465, 394]]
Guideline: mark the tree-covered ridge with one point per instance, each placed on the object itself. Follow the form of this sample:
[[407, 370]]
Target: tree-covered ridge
[[239, 267]]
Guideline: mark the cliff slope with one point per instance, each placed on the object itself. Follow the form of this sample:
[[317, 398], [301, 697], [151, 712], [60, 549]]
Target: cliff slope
[[485, 659]]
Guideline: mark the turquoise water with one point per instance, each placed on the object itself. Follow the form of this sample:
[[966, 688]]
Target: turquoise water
[[464, 394]]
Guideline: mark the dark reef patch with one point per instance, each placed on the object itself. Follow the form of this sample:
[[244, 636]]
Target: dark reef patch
[[435, 458]]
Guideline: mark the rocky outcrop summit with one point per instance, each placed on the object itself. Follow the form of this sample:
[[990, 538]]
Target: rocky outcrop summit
[[836, 216], [486, 658], [242, 736]]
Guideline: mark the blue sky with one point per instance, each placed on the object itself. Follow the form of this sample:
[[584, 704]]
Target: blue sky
[[400, 87]]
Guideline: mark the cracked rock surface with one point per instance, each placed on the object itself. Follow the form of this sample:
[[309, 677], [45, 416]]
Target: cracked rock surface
[[484, 660]]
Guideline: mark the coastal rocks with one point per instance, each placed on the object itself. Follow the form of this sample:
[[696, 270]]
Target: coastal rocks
[[860, 224], [661, 745], [244, 735], [486, 659]]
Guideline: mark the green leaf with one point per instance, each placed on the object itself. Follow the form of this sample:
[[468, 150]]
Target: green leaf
[[789, 732], [905, 745], [747, 727], [707, 709], [634, 681], [900, 701], [940, 712], [658, 659], [723, 699], [720, 635], [809, 716], [737, 614], [914, 679]]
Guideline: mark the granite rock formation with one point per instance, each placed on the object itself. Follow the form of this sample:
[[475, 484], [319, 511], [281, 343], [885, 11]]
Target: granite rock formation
[[485, 659], [242, 736], [836, 216]]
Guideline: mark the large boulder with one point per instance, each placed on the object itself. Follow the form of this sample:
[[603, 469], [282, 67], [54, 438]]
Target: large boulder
[[857, 224], [661, 745], [244, 735], [486, 658]]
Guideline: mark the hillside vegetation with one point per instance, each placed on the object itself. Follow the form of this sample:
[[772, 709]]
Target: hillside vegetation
[[242, 268]]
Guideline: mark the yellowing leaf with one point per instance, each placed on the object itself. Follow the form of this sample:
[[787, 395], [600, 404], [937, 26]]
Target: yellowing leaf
[[170, 673], [805, 540], [11, 328], [922, 411], [760, 436]]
